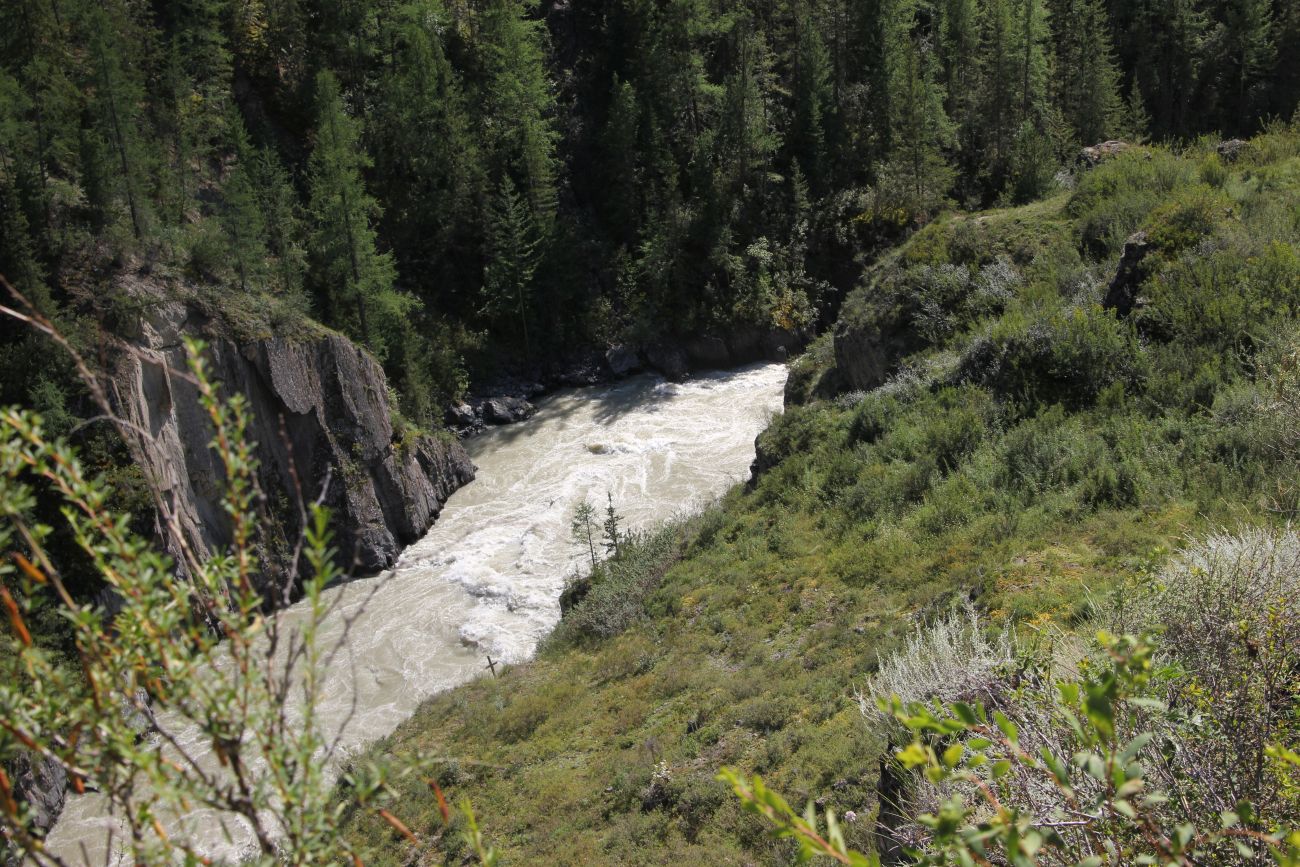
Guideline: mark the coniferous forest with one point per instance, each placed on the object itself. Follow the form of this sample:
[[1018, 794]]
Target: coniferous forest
[[449, 181]]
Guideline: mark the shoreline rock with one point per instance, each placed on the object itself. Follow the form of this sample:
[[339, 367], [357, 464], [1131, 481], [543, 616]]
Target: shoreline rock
[[508, 398]]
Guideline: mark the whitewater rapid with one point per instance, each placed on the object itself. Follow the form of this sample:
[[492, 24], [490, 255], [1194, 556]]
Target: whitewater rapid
[[486, 579]]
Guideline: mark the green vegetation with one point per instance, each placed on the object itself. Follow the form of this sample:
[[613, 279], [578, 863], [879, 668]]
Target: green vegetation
[[1010, 442], [467, 185], [178, 656]]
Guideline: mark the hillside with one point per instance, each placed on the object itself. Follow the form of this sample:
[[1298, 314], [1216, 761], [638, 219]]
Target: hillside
[[978, 427]]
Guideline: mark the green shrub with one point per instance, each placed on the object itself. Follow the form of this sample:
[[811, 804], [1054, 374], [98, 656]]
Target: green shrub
[[1069, 356], [1182, 221], [1113, 200], [617, 588]]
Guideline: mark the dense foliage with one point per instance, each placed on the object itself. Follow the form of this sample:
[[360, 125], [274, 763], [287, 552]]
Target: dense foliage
[[457, 182]]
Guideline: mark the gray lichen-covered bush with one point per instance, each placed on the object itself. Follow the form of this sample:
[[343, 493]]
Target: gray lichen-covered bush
[[1207, 718]]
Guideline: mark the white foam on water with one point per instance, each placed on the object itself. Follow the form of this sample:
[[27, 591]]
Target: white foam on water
[[486, 579]]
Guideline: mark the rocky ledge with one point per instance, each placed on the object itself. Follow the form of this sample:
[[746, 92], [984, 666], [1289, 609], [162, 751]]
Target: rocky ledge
[[508, 398], [323, 429]]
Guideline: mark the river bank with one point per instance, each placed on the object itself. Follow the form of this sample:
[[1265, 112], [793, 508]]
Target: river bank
[[486, 580]]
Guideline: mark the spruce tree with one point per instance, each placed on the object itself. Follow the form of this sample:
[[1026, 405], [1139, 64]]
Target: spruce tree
[[998, 105], [512, 259], [619, 146], [517, 103], [1246, 55], [1166, 43], [919, 128], [959, 44], [1286, 77], [242, 214], [428, 169], [117, 130], [347, 269], [1086, 80], [812, 99]]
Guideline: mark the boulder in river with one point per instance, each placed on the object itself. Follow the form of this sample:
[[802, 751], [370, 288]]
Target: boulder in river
[[669, 360], [708, 353], [506, 409], [622, 360]]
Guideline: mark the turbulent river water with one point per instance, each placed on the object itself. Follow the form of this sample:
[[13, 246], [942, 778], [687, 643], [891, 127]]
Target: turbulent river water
[[486, 579]]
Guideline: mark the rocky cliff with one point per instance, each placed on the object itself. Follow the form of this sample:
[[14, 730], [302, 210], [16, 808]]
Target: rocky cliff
[[323, 428]]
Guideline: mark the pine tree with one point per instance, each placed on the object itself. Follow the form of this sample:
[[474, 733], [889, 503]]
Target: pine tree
[[746, 140], [812, 99], [1246, 55], [1030, 48], [998, 105], [619, 146], [346, 267], [427, 162], [959, 45], [512, 259], [1286, 77], [117, 101], [1166, 40], [242, 213], [878, 27], [1086, 76], [517, 103], [919, 128]]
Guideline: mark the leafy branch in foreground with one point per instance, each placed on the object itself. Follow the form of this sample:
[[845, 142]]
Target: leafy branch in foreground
[[188, 697], [789, 825], [1081, 796]]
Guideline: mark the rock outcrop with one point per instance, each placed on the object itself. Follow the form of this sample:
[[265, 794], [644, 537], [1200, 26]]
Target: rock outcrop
[[1122, 294], [869, 343], [1094, 155], [41, 784], [323, 428], [1231, 150]]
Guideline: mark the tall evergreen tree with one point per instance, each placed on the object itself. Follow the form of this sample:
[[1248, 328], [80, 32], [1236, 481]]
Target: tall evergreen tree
[[999, 106], [1165, 40], [116, 131], [1286, 78], [812, 99], [242, 214], [619, 144], [517, 102], [347, 269], [427, 163], [1245, 54], [959, 45], [1086, 80], [920, 130], [512, 259]]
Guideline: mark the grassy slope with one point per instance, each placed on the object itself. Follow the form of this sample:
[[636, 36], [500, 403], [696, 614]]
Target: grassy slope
[[1040, 451]]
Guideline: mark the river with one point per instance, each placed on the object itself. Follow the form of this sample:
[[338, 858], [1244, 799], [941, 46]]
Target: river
[[486, 579]]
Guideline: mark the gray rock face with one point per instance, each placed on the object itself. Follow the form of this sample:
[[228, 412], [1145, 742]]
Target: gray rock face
[[868, 349], [321, 421], [1121, 295], [1232, 149], [668, 359], [708, 353], [1091, 157], [41, 783], [622, 360]]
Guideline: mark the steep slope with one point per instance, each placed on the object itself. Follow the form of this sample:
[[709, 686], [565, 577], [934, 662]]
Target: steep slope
[[979, 427]]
